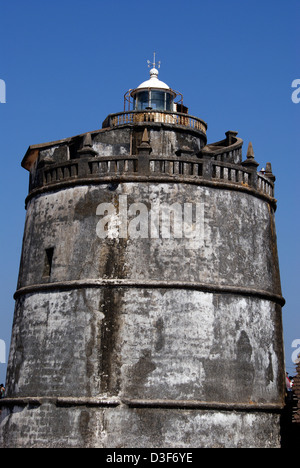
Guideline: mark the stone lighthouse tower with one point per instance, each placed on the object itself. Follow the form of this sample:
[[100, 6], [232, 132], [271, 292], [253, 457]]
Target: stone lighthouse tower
[[148, 305]]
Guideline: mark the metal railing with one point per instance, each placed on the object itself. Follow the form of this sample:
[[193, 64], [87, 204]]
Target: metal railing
[[174, 118]]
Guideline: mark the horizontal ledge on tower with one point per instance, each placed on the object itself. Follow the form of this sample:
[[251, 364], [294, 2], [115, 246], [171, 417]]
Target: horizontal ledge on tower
[[101, 179], [141, 403], [208, 405], [127, 283], [59, 401]]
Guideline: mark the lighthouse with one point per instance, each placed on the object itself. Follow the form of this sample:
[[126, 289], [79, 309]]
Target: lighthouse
[[148, 304]]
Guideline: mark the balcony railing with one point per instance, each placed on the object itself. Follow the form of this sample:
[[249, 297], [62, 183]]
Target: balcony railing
[[173, 118], [130, 167]]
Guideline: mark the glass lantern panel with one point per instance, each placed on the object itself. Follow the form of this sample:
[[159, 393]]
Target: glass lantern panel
[[158, 100], [142, 100], [169, 101]]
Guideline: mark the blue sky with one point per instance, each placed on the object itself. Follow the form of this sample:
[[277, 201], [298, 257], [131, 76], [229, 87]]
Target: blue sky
[[68, 63]]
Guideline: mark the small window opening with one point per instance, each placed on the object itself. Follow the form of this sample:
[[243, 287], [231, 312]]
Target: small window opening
[[48, 262]]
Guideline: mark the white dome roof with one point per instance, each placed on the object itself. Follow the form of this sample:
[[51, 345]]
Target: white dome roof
[[153, 82]]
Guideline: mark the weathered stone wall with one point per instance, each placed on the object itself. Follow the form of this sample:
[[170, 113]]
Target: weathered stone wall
[[146, 344], [237, 246], [156, 324], [48, 425]]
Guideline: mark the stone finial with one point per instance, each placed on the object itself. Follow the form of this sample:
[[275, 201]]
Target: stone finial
[[269, 173], [87, 146], [250, 152], [250, 161], [87, 141], [145, 138], [144, 150], [145, 147]]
